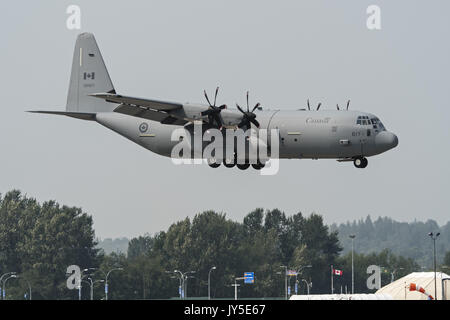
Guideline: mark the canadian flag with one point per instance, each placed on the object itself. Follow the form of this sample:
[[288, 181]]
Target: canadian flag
[[337, 272]]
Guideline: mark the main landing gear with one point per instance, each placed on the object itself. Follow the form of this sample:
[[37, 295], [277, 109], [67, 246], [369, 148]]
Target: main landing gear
[[233, 163], [360, 162]]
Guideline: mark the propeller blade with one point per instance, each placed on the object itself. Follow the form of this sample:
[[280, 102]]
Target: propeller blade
[[337, 106], [239, 108], [256, 107], [255, 122], [215, 96], [309, 108], [348, 103], [248, 108], [318, 107], [224, 106], [206, 96], [207, 112]]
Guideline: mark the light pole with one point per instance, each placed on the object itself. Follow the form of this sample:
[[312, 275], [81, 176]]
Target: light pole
[[2, 291], [180, 277], [307, 285], [181, 283], [209, 282], [92, 282], [4, 284], [236, 285], [106, 279], [352, 236], [81, 279], [299, 271], [184, 277], [179, 287], [434, 237]]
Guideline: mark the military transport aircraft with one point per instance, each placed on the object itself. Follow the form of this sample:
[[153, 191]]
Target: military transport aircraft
[[309, 133]]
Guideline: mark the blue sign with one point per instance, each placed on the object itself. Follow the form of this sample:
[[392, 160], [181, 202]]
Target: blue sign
[[106, 288], [289, 290], [296, 288], [249, 277]]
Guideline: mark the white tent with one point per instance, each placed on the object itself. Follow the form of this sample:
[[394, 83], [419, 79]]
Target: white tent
[[342, 297], [399, 289]]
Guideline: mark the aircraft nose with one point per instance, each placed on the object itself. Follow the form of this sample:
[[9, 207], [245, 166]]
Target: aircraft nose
[[386, 140]]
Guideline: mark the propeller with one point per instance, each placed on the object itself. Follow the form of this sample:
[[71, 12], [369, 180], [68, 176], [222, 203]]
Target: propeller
[[249, 116], [213, 111], [348, 104], [318, 106]]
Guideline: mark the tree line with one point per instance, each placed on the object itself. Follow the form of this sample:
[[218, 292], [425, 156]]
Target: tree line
[[39, 242], [410, 240]]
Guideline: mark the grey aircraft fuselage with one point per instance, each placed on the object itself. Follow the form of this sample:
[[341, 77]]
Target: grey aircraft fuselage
[[303, 134], [334, 134]]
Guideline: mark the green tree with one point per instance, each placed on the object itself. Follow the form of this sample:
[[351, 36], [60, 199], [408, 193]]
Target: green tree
[[39, 242]]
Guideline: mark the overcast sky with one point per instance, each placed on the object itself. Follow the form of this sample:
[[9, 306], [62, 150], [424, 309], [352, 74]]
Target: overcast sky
[[284, 52]]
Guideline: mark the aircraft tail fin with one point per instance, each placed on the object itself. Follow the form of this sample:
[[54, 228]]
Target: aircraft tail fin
[[89, 75]]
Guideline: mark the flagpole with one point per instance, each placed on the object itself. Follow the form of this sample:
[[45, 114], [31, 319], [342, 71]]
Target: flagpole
[[332, 279]]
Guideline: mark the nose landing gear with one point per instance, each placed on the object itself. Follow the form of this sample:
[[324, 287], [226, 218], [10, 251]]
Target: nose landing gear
[[360, 162]]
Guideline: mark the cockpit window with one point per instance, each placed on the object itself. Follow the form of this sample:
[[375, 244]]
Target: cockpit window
[[377, 125], [374, 122], [363, 120]]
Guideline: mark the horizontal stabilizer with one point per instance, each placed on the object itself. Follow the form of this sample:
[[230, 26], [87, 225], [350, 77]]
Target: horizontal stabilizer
[[78, 115]]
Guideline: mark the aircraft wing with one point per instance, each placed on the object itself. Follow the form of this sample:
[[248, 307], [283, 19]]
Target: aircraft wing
[[141, 112], [145, 108], [152, 104], [165, 112]]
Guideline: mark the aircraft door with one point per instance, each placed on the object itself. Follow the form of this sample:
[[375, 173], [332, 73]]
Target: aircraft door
[[362, 139]]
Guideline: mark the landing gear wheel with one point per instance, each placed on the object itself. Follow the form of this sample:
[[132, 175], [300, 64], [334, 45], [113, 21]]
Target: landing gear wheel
[[365, 163], [258, 166], [229, 163], [360, 162], [243, 166], [213, 164]]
